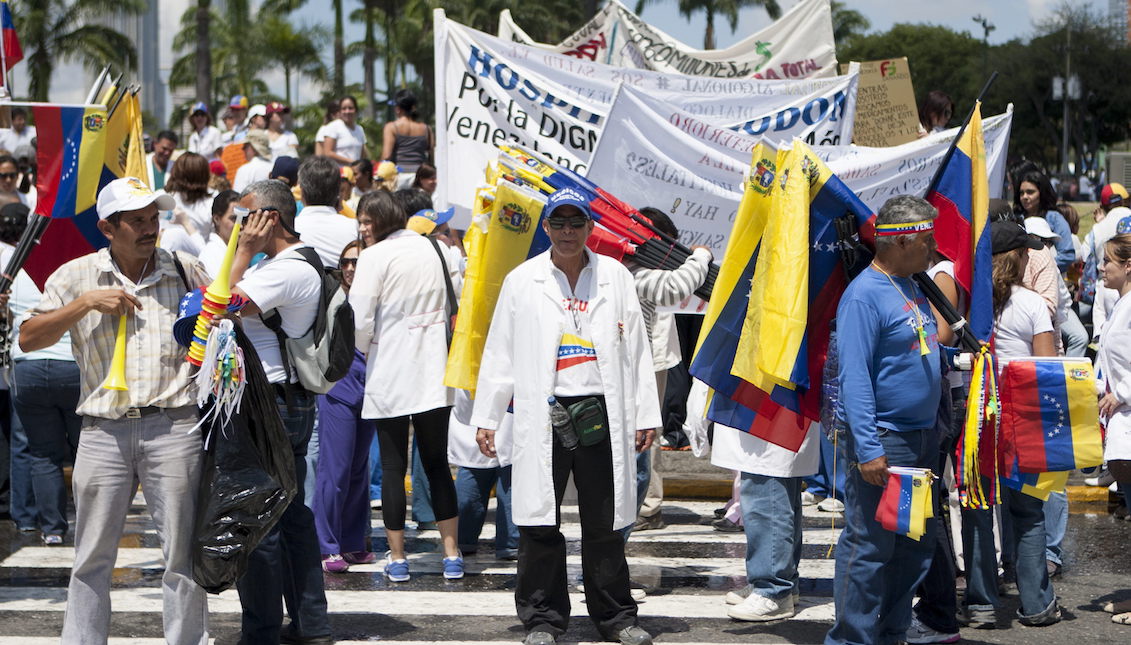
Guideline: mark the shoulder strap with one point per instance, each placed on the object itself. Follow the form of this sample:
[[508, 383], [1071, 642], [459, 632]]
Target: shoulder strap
[[181, 271], [453, 304]]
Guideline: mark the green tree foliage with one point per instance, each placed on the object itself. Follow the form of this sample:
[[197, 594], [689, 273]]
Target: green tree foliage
[[847, 24], [53, 31], [726, 8]]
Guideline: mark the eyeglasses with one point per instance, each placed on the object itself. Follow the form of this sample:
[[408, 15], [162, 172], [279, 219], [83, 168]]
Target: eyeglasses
[[240, 211], [558, 223], [344, 262], [9, 175]]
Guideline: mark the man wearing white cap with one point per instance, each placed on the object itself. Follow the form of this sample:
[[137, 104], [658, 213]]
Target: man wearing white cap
[[257, 150], [144, 433]]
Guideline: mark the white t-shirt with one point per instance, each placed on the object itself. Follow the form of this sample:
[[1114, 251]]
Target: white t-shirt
[[258, 169], [284, 146], [288, 283], [212, 255], [206, 142], [954, 377], [174, 238], [577, 373], [327, 231], [1024, 316], [320, 135], [199, 212], [348, 141], [10, 139]]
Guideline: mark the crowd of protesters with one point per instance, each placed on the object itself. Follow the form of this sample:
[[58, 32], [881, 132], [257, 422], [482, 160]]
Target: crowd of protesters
[[600, 347]]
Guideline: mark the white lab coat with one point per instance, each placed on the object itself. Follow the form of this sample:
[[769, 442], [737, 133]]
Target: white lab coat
[[462, 448], [399, 302], [520, 359], [1113, 368]]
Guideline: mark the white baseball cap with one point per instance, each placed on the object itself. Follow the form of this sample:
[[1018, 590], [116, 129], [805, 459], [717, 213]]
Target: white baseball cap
[[258, 109], [130, 194], [1040, 227]]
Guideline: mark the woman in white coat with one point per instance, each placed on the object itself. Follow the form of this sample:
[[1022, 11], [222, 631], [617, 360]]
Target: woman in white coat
[[399, 299], [568, 324], [1113, 368]]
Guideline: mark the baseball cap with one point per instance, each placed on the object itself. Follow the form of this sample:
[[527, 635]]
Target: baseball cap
[[426, 220], [568, 197], [286, 167], [275, 107], [238, 102], [257, 139], [1039, 227], [130, 194], [199, 106], [257, 110], [387, 171], [216, 167], [1006, 236], [346, 173], [1113, 194]]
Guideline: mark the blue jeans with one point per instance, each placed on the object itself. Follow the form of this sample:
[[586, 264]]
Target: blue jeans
[[374, 469], [1056, 524], [877, 570], [421, 491], [643, 478], [286, 566], [473, 491], [1074, 334], [832, 463], [45, 394], [771, 515], [980, 557], [21, 503], [1028, 516]]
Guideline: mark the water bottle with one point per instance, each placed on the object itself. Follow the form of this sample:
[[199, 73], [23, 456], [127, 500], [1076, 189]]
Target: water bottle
[[563, 426]]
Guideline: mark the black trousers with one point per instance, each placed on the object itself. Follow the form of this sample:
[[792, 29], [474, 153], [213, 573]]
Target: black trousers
[[541, 591]]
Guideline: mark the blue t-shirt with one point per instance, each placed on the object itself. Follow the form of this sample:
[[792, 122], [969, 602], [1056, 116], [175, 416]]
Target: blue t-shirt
[[884, 380], [1065, 251]]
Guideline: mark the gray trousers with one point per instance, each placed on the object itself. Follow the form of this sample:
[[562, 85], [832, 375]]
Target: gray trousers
[[162, 452]]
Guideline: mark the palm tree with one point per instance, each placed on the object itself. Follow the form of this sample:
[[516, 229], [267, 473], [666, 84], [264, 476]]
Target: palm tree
[[727, 8], [847, 23], [295, 50], [52, 31], [235, 65]]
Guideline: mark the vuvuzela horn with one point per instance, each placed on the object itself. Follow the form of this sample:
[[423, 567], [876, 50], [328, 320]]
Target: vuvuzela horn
[[216, 299], [116, 379]]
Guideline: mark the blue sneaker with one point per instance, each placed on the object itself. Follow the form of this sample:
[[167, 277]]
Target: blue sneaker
[[453, 567], [396, 570]]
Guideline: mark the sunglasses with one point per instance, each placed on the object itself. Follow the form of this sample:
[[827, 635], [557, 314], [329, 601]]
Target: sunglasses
[[9, 175], [347, 262], [240, 211], [558, 223]]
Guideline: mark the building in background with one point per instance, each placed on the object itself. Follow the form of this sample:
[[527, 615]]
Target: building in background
[[1118, 11]]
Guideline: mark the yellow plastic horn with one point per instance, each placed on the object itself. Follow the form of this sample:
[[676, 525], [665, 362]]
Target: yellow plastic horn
[[116, 380]]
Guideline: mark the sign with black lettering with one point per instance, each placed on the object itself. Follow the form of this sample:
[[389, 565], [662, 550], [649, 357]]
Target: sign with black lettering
[[886, 114]]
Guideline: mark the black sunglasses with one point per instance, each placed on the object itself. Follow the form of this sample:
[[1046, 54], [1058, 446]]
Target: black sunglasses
[[347, 261], [9, 175], [558, 223]]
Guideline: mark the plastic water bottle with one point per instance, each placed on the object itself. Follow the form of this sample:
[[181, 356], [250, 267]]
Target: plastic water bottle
[[563, 426]]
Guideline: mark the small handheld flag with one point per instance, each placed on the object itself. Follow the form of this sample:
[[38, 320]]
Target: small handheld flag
[[907, 502]]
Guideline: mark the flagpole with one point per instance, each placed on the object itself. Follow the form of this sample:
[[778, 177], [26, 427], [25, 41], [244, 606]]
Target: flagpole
[[962, 130], [97, 87]]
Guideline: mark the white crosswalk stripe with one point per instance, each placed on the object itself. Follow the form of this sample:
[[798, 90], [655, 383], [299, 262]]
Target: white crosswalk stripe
[[687, 568]]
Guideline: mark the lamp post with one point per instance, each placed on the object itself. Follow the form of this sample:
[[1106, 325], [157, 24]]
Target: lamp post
[[987, 27]]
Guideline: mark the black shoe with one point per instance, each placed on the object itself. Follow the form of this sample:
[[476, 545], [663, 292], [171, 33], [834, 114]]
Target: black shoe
[[726, 526], [720, 512], [634, 636], [539, 638], [288, 637]]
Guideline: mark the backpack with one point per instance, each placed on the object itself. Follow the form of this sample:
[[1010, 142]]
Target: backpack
[[322, 356]]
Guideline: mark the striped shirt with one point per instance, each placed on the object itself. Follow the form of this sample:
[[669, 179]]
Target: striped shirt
[[156, 371], [664, 288]]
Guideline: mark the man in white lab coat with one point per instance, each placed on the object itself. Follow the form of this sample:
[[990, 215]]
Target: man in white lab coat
[[568, 324]]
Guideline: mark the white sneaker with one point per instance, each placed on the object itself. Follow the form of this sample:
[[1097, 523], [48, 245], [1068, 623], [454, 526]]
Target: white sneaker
[[807, 498], [831, 505], [738, 595], [1113, 487], [1104, 478], [639, 595], [758, 608]]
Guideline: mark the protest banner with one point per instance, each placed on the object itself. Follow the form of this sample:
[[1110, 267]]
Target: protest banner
[[886, 114], [491, 92], [652, 153], [800, 44]]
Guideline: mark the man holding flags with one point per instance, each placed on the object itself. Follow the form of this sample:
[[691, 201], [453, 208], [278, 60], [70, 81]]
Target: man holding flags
[[890, 383]]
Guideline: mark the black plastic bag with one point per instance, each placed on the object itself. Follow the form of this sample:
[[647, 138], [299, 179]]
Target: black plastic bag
[[247, 481]]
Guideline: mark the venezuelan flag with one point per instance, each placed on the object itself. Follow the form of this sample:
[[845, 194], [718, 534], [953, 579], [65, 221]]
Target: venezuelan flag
[[13, 53], [1049, 415], [962, 229], [70, 145], [514, 234], [907, 502], [1039, 485]]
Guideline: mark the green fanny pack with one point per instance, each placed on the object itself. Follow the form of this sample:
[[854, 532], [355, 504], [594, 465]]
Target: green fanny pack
[[588, 416]]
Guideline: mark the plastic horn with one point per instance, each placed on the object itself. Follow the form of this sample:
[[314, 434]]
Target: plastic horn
[[216, 298], [116, 380]]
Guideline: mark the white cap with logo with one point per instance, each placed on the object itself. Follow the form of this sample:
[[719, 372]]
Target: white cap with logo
[[130, 194]]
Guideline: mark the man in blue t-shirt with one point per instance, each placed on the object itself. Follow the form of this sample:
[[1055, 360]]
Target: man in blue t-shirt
[[890, 382]]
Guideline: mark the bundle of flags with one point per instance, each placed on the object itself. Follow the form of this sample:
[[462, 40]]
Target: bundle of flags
[[762, 347], [80, 150], [1050, 421], [907, 501]]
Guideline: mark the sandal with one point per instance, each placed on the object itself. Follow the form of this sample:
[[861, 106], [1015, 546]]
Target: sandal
[[1122, 619]]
